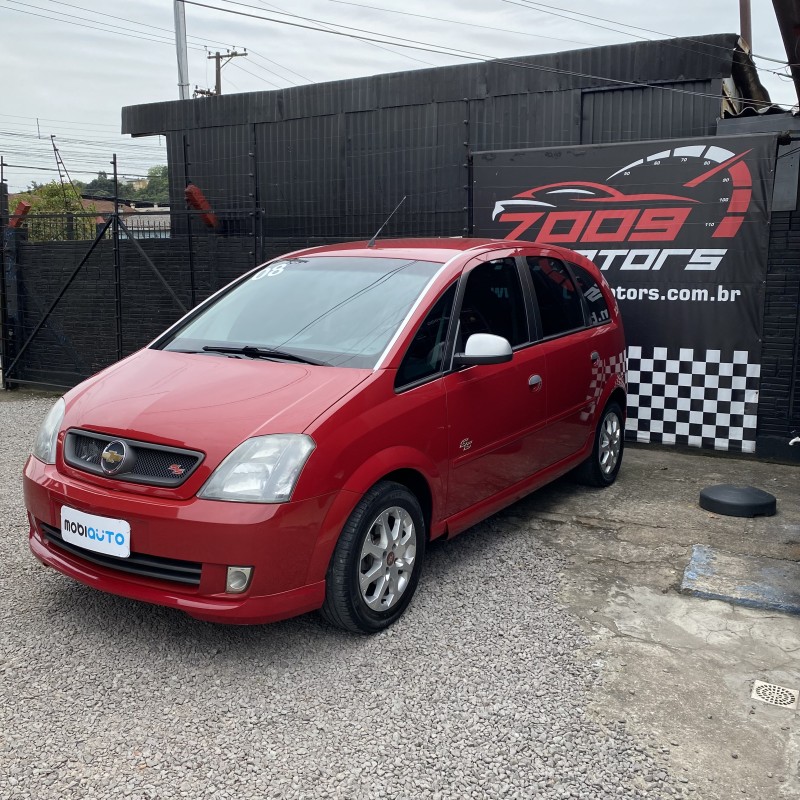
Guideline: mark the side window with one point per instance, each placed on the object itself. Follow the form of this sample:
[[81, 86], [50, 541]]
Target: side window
[[493, 303], [557, 297], [595, 302], [426, 352]]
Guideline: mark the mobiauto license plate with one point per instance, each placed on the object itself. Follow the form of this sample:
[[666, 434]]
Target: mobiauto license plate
[[101, 534]]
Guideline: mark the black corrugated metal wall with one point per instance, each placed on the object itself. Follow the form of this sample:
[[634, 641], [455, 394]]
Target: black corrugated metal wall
[[332, 160], [779, 388]]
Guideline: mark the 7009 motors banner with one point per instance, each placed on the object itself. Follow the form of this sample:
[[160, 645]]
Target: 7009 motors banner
[[680, 230]]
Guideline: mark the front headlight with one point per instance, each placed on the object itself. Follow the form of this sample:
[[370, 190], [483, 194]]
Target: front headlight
[[44, 446], [264, 469]]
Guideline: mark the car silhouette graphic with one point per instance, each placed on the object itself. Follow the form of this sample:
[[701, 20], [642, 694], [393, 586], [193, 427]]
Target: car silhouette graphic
[[571, 195]]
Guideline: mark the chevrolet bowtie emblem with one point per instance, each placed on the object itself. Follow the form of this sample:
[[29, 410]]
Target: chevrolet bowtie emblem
[[116, 458]]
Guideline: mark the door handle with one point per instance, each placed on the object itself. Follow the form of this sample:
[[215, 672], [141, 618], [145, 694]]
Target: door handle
[[535, 382], [595, 356]]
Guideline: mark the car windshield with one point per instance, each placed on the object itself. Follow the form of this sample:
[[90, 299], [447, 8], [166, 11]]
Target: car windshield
[[334, 310]]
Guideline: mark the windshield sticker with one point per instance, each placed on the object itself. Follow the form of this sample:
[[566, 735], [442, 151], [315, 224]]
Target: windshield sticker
[[269, 272]]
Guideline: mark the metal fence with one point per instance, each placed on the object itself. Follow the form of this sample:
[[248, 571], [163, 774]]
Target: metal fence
[[79, 291]]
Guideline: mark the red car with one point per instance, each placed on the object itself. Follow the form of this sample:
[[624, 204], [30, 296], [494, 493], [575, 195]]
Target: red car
[[295, 442]]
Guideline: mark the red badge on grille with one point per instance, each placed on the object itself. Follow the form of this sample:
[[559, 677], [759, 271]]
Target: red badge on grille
[[176, 469]]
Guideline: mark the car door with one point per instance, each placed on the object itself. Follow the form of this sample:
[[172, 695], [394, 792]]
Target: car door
[[494, 411], [573, 356]]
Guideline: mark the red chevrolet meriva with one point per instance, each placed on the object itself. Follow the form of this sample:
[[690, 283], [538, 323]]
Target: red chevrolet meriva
[[296, 441]]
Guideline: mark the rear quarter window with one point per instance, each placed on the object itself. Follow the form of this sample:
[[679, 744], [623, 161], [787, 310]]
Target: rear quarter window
[[557, 299], [596, 306]]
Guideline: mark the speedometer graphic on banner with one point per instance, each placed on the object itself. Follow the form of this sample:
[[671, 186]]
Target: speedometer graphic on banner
[[720, 169], [651, 199]]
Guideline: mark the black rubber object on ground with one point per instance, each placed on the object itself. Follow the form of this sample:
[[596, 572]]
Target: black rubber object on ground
[[738, 501]]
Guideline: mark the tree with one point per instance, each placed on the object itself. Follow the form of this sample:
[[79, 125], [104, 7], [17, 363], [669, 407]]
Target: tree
[[52, 198], [57, 213], [101, 185], [157, 188]]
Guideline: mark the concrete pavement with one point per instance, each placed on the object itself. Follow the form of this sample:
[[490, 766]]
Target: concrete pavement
[[679, 669]]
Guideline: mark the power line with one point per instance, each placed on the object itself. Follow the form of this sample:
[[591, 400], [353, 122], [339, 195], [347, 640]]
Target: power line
[[635, 27], [170, 41], [372, 44], [525, 33], [69, 121], [453, 52], [257, 77], [281, 66], [105, 144], [26, 131], [459, 22], [401, 42], [530, 5], [53, 169], [94, 142], [272, 72], [84, 23], [169, 31], [264, 69]]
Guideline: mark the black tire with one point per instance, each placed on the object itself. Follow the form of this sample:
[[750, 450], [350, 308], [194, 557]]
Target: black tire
[[387, 508], [602, 465]]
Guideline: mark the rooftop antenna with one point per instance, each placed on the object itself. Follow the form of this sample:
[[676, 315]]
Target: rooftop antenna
[[371, 242], [61, 165]]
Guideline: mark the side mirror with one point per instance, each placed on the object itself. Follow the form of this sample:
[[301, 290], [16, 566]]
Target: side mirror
[[484, 348]]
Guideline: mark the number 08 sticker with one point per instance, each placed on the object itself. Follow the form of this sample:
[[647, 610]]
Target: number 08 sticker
[[269, 272]]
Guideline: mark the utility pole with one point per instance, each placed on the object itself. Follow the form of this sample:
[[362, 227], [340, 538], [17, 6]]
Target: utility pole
[[745, 23], [221, 60], [180, 47]]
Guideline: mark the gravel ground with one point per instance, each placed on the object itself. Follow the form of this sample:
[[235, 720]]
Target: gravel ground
[[478, 692]]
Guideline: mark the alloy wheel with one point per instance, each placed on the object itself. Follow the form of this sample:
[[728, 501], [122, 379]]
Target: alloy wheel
[[610, 442], [387, 558]]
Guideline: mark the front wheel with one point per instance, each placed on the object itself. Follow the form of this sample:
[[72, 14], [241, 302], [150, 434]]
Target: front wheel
[[377, 561], [603, 464]]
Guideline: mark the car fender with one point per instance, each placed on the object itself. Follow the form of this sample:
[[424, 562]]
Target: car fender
[[599, 408], [359, 482], [618, 384]]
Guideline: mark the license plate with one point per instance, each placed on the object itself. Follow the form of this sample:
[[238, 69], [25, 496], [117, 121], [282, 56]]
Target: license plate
[[91, 532]]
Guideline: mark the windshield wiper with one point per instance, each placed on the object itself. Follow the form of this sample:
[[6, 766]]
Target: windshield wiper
[[251, 351]]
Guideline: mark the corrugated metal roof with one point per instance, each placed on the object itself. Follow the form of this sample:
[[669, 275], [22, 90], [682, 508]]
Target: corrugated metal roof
[[664, 61]]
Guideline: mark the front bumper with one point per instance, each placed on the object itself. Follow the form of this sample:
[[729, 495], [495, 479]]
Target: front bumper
[[281, 542]]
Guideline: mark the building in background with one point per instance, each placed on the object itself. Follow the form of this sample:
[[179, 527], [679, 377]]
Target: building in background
[[329, 162]]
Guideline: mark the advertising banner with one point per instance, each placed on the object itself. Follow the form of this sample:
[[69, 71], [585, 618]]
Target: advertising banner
[[680, 230]]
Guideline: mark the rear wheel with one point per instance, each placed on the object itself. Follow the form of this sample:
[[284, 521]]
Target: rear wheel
[[603, 464], [377, 561]]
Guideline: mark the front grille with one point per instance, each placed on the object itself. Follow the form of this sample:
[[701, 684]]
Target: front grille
[[165, 569], [155, 465]]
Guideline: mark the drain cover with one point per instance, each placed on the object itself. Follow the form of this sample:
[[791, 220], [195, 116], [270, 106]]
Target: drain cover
[[774, 695]]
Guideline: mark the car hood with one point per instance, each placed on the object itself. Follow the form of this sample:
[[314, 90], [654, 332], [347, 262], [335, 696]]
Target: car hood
[[205, 402]]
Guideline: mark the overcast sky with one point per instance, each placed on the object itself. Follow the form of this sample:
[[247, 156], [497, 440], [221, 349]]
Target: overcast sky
[[73, 66]]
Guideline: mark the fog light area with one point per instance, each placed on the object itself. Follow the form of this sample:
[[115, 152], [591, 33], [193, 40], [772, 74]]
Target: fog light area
[[238, 579]]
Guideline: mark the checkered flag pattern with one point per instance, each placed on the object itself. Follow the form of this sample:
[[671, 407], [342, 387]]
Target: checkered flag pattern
[[699, 398], [603, 373]]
